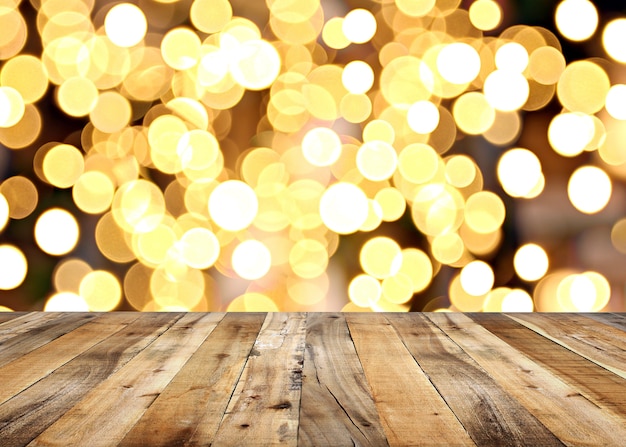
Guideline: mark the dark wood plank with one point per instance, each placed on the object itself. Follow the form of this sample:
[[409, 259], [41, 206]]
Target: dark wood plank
[[605, 389], [95, 421], [30, 412], [265, 406], [337, 408], [8, 316], [189, 410], [35, 365], [16, 347], [411, 410], [489, 414], [600, 343], [560, 407]]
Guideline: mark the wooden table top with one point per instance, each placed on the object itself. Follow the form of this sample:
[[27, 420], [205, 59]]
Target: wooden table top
[[319, 379]]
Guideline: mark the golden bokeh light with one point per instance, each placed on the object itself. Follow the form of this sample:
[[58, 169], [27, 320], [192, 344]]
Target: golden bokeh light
[[13, 267], [477, 278], [589, 189], [218, 156], [485, 15], [612, 38], [125, 24], [101, 290], [66, 302], [359, 25], [519, 171], [576, 19], [531, 262], [56, 231], [251, 259]]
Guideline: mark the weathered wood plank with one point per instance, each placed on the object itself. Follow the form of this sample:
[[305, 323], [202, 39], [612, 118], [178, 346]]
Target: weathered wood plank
[[605, 389], [8, 316], [616, 320], [265, 406], [560, 407], [15, 347], [21, 325], [337, 408], [93, 421], [189, 410], [488, 413], [30, 412], [21, 373], [411, 410], [600, 343]]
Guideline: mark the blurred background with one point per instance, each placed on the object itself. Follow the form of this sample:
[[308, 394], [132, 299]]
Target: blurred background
[[312, 155]]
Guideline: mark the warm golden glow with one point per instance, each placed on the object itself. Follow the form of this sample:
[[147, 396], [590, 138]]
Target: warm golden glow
[[531, 262], [589, 189], [13, 267], [56, 232], [286, 155], [576, 20]]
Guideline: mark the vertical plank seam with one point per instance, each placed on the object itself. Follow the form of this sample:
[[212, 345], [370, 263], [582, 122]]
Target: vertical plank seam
[[428, 377], [243, 368], [306, 333]]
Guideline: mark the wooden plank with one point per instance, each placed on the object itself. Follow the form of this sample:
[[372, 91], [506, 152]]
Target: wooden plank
[[265, 406], [336, 408], [488, 413], [411, 410], [16, 327], [16, 347], [189, 410], [616, 320], [602, 387], [30, 412], [95, 421], [602, 344], [560, 407], [28, 369], [8, 316]]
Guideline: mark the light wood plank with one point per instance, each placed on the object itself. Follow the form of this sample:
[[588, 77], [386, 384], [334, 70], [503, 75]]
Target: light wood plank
[[337, 408], [411, 410], [30, 412], [605, 389], [574, 419], [16, 347], [189, 410], [95, 420], [265, 406], [602, 344], [490, 415], [28, 369]]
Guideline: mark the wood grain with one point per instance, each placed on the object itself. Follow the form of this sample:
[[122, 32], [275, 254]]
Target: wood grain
[[30, 412], [316, 379], [337, 407], [265, 406], [411, 409], [135, 386], [489, 414], [204, 384], [602, 387], [560, 407], [602, 344]]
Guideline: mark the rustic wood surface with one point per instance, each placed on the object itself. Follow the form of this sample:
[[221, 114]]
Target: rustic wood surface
[[318, 379]]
